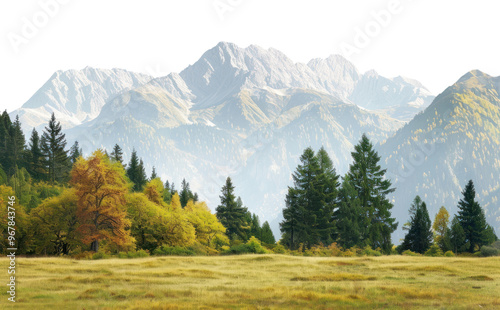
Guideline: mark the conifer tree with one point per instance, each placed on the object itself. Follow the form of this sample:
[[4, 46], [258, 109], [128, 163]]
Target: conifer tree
[[348, 217], [74, 152], [117, 154], [53, 145], [266, 233], [368, 178], [185, 193], [153, 174], [136, 172], [5, 125], [471, 217], [231, 214], [36, 167], [419, 237], [16, 153], [457, 236]]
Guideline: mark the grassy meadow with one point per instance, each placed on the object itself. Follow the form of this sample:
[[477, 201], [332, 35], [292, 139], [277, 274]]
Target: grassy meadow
[[256, 282]]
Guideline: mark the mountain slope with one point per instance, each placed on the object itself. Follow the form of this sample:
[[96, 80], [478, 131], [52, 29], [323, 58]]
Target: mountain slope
[[457, 138], [76, 96]]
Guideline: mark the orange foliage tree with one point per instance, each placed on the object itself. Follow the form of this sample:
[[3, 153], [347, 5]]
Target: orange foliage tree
[[100, 186]]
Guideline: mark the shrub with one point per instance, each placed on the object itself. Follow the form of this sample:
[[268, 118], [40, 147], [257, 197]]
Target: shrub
[[489, 251], [133, 254], [410, 253], [173, 250], [84, 255], [449, 254], [253, 245], [368, 251], [100, 255], [434, 251], [496, 245], [279, 249]]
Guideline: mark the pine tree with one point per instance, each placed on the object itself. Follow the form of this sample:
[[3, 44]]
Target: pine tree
[[471, 217], [231, 214], [136, 172], [74, 152], [372, 188], [457, 236], [36, 167], [5, 125], [52, 144], [185, 193], [347, 217], [153, 174], [267, 234], [419, 237], [16, 155], [117, 154]]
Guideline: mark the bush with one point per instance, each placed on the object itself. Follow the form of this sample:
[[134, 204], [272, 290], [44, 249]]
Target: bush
[[434, 251], [410, 253], [496, 245], [173, 250], [133, 254], [489, 251], [100, 255], [449, 254], [279, 249], [253, 245], [84, 255], [368, 251]]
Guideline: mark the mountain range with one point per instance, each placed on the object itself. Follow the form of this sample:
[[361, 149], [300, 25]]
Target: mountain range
[[249, 112]]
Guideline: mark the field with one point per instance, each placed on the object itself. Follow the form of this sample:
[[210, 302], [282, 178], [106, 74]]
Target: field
[[256, 282]]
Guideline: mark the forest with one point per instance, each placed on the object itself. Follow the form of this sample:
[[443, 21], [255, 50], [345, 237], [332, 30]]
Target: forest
[[100, 206]]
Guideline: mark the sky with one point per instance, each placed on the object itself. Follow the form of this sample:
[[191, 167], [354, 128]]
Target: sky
[[435, 42]]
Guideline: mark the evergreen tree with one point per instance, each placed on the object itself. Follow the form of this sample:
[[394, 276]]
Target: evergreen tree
[[348, 215], [471, 217], [231, 214], [457, 236], [419, 237], [153, 174], [74, 152], [16, 153], [185, 193], [136, 172], [5, 125], [52, 145], [267, 234], [36, 167], [117, 154], [368, 178]]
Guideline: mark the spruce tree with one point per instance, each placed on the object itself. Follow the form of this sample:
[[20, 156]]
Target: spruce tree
[[419, 236], [52, 144], [153, 174], [16, 153], [4, 140], [471, 217], [185, 193], [267, 234], [36, 167], [74, 152], [347, 217], [117, 154], [232, 214], [291, 227], [457, 236], [136, 172], [368, 178]]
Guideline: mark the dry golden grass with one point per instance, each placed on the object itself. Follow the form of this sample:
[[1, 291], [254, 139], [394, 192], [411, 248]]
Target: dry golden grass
[[256, 282]]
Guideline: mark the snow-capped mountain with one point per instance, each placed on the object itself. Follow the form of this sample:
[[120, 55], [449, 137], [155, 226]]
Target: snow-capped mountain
[[76, 96], [247, 113]]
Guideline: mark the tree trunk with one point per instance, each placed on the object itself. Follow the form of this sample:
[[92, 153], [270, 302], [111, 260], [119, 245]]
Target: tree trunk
[[94, 246]]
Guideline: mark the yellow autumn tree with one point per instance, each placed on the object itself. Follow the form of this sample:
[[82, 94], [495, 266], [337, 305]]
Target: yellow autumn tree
[[207, 226], [100, 186], [154, 191]]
